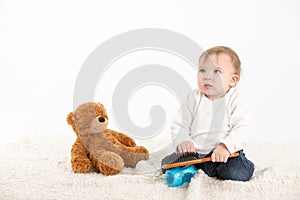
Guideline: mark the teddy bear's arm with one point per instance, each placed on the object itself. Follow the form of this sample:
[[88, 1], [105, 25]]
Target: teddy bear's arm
[[122, 138], [79, 158]]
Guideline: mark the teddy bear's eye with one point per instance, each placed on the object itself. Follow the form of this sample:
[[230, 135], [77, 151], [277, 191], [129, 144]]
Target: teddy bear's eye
[[101, 119]]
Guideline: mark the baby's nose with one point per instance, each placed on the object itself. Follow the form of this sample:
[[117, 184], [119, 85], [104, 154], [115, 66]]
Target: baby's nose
[[207, 77]]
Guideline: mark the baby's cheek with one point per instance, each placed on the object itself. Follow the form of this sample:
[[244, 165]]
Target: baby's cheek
[[199, 81]]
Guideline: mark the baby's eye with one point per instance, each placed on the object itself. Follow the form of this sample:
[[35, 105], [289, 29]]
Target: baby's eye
[[201, 71], [216, 71]]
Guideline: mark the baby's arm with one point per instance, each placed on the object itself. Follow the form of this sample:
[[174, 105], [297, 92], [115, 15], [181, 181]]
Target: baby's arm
[[181, 126], [240, 123]]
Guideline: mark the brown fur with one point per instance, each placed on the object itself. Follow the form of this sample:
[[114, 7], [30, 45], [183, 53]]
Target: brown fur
[[97, 147]]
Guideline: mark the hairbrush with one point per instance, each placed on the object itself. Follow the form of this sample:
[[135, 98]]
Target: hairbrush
[[184, 159]]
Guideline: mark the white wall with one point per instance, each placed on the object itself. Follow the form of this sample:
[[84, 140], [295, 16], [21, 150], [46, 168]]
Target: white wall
[[43, 45]]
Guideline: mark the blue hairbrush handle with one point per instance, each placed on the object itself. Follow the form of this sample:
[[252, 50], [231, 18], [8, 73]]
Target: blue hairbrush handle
[[178, 176]]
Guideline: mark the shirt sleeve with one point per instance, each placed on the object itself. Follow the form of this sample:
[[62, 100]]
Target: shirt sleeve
[[240, 124], [181, 124]]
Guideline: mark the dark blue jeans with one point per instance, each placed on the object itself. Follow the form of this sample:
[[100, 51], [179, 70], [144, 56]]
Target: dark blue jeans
[[237, 168]]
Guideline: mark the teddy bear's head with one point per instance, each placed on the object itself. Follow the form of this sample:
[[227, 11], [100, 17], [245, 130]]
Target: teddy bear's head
[[88, 118]]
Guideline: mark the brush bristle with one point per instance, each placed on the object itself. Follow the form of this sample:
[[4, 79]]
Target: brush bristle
[[182, 157], [187, 157]]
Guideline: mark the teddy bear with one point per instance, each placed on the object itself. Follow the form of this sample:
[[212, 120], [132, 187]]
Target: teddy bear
[[96, 147]]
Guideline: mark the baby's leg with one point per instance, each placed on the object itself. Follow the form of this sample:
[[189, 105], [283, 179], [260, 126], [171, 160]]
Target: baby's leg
[[238, 168]]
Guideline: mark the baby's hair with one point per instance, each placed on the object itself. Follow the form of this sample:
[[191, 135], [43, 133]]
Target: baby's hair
[[226, 50]]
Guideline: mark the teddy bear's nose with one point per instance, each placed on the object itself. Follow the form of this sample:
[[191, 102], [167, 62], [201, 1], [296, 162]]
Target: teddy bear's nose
[[101, 119]]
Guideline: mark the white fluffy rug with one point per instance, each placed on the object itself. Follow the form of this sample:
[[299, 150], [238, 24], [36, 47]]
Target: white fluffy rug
[[38, 167]]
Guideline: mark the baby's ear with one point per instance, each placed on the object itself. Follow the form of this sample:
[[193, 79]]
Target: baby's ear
[[70, 118], [234, 80]]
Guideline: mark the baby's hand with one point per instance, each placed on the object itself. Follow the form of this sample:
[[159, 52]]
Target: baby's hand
[[220, 154], [186, 146]]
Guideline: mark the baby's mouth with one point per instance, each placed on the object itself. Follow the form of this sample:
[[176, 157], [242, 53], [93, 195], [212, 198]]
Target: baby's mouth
[[207, 85]]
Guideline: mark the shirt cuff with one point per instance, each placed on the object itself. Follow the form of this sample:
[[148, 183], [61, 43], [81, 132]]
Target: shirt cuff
[[229, 146], [179, 139]]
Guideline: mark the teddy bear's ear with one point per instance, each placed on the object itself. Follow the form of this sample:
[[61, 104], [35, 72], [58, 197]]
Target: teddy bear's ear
[[70, 118], [100, 104]]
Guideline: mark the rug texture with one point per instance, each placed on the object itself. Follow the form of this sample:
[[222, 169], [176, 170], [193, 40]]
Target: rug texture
[[38, 167]]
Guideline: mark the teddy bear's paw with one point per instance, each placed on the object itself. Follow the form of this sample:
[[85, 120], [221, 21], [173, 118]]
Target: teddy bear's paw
[[81, 165], [141, 153], [110, 163]]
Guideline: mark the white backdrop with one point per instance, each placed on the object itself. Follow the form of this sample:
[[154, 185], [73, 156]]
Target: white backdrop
[[43, 45]]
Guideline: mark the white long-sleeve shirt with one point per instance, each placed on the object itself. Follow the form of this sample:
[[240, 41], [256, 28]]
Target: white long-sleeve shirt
[[208, 122]]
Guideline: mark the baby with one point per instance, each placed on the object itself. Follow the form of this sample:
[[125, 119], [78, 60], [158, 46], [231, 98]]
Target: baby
[[214, 120]]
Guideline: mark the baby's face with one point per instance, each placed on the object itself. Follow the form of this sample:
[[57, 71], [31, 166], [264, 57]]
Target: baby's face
[[216, 76]]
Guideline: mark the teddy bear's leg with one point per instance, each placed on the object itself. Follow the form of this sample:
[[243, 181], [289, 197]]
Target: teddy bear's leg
[[133, 155], [122, 138], [141, 153], [108, 163], [79, 161]]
